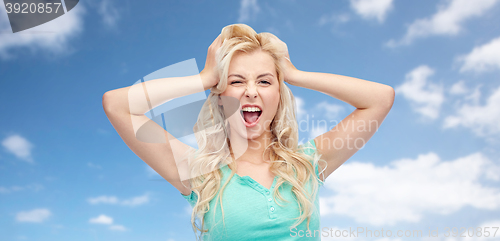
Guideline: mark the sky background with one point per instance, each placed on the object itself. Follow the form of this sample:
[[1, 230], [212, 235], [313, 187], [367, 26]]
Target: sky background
[[65, 174]]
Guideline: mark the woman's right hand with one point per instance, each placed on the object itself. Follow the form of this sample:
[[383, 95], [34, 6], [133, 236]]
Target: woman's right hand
[[210, 75]]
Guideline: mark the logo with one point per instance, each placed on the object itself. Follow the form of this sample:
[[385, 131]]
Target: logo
[[26, 14]]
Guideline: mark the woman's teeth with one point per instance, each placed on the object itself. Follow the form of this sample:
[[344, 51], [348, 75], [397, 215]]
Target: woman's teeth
[[251, 114], [251, 109]]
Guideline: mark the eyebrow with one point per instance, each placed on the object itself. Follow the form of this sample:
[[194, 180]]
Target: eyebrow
[[240, 76]]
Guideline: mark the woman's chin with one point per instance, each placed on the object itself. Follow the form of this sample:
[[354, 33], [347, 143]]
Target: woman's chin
[[253, 132], [248, 134]]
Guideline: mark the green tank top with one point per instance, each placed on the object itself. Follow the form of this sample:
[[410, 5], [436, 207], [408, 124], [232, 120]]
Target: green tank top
[[250, 213]]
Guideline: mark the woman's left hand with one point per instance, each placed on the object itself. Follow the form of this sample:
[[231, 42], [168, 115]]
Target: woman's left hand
[[289, 69]]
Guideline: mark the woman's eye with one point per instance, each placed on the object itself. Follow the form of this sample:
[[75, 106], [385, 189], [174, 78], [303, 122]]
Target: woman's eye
[[265, 82]]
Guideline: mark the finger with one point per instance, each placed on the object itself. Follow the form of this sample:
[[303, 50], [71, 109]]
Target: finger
[[221, 41], [216, 40]]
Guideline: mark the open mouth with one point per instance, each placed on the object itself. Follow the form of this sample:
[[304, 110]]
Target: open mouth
[[251, 115]]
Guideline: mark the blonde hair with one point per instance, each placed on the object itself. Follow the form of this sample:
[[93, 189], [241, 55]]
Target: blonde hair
[[212, 132]]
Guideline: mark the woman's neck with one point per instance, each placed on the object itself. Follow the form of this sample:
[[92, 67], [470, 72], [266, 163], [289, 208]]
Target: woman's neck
[[251, 150]]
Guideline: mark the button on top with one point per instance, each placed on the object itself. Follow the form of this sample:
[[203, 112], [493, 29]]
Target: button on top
[[267, 192], [269, 199], [272, 209]]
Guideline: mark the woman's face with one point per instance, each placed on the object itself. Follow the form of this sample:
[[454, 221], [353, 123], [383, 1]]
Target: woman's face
[[253, 81]]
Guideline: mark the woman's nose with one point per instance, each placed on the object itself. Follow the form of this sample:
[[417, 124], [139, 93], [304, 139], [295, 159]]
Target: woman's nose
[[251, 91]]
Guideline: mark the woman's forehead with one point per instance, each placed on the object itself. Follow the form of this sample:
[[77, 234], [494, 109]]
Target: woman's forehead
[[257, 62]]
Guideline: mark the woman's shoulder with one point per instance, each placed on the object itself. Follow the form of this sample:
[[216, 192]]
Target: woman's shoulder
[[192, 198], [308, 148]]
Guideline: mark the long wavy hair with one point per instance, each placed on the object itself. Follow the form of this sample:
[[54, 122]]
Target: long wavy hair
[[212, 134]]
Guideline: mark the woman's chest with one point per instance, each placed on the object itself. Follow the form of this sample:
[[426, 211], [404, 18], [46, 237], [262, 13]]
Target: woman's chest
[[251, 209], [259, 174]]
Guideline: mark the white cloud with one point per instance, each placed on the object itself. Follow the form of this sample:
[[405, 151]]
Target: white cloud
[[447, 20], [334, 18], [103, 199], [134, 201], [92, 165], [33, 216], [248, 10], [372, 9], [53, 36], [322, 125], [317, 130], [107, 220], [367, 9], [407, 189], [471, 96], [117, 228], [35, 187], [459, 88], [316, 120], [424, 96], [481, 119], [475, 95], [151, 172], [465, 94], [188, 209], [301, 112], [102, 219], [4, 190], [482, 58], [18, 146], [330, 111], [109, 13]]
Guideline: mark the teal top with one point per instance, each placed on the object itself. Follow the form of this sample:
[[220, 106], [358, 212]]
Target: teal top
[[250, 213]]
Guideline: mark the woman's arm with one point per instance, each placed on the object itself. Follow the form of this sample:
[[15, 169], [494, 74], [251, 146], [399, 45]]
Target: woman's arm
[[145, 96], [359, 93], [125, 108], [372, 100]]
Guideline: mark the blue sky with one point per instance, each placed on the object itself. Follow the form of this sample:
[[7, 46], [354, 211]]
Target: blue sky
[[65, 174]]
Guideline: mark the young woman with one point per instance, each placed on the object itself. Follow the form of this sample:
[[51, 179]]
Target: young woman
[[249, 179]]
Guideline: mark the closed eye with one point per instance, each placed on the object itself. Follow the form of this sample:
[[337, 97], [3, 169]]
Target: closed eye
[[240, 82]]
